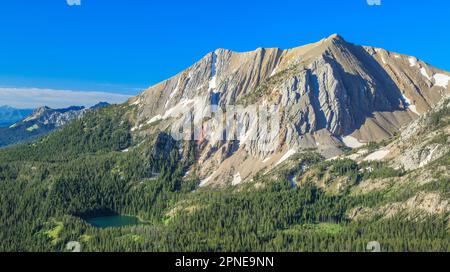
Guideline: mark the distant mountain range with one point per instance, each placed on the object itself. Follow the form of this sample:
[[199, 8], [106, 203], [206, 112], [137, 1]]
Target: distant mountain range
[[36, 123], [10, 115]]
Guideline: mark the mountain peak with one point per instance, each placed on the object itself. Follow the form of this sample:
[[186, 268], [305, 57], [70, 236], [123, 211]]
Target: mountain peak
[[42, 108], [328, 94], [335, 36], [100, 105]]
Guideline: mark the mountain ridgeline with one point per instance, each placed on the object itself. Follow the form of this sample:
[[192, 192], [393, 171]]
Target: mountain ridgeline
[[41, 122], [326, 95], [10, 115], [361, 153]]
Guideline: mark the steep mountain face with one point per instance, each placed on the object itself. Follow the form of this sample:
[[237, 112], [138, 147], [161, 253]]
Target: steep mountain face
[[251, 111], [420, 143], [9, 115], [424, 141], [348, 143], [42, 121], [415, 165]]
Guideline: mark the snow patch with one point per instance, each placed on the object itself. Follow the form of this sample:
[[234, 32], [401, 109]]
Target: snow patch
[[377, 155], [181, 107], [410, 105], [173, 93], [429, 158], [274, 71], [137, 102], [155, 118], [249, 135], [412, 62], [213, 84], [266, 160], [352, 142], [441, 80], [205, 181], [423, 71], [286, 156], [333, 158], [236, 179]]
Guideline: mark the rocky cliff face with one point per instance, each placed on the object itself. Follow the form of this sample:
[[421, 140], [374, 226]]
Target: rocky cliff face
[[419, 144], [248, 112], [425, 140]]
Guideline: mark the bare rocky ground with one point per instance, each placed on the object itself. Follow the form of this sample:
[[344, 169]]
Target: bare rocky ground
[[326, 95], [332, 98]]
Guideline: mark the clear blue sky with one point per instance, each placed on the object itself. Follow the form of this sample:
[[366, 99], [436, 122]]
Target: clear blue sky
[[125, 45]]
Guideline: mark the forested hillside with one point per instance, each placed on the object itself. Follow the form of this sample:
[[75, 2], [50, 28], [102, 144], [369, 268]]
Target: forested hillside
[[94, 166]]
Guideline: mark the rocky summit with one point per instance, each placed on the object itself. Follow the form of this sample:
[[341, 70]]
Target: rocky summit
[[249, 112]]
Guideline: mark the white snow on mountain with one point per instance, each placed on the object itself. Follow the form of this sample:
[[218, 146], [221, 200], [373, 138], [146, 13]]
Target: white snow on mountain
[[423, 71], [441, 80], [377, 155], [352, 142], [287, 156], [236, 179], [410, 105]]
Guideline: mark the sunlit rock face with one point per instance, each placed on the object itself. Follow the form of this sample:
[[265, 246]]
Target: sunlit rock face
[[247, 111]]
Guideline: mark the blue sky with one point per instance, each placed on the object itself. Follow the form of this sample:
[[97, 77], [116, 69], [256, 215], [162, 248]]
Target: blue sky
[[123, 46]]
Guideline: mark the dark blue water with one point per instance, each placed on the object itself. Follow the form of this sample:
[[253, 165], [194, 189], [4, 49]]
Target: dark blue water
[[114, 221]]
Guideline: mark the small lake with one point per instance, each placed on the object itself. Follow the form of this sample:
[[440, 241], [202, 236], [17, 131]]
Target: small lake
[[114, 221]]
